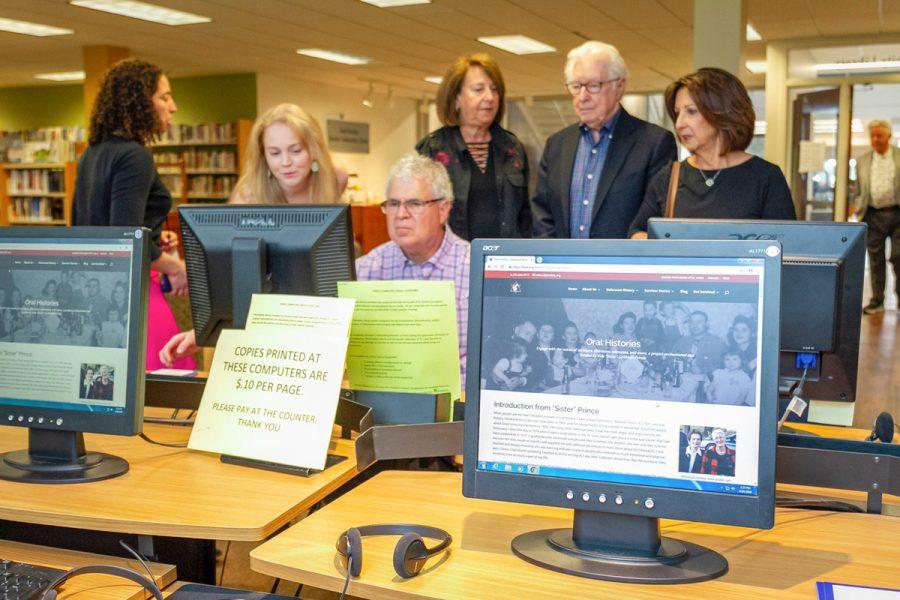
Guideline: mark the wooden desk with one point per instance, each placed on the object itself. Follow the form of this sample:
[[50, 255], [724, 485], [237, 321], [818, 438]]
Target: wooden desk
[[782, 563], [170, 492], [99, 587]]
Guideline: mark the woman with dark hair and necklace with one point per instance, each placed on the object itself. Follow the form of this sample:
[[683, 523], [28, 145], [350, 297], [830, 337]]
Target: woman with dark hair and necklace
[[714, 121]]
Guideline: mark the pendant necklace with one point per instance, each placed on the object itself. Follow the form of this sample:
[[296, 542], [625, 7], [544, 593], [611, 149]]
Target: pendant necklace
[[710, 181]]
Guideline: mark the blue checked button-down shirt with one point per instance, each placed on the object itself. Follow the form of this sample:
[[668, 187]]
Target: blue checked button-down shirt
[[589, 160], [451, 261]]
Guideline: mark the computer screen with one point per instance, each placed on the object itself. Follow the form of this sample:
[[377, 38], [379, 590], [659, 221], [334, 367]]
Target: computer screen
[[607, 385], [822, 278], [72, 344], [235, 251]]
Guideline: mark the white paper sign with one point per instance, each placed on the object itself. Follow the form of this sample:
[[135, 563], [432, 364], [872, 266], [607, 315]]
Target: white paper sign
[[273, 388], [812, 157]]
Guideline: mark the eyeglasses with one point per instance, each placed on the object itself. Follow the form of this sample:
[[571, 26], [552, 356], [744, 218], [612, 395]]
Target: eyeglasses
[[593, 87], [414, 206]]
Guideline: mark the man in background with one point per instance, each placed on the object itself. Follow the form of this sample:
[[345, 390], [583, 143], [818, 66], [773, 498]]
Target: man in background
[[592, 175], [878, 206]]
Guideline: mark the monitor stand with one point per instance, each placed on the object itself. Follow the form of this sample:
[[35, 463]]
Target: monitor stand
[[58, 457], [621, 548]]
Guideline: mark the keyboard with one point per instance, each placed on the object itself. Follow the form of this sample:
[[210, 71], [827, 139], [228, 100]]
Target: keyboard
[[21, 581]]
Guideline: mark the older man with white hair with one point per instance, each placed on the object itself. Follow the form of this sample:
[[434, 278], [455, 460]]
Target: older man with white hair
[[878, 206], [419, 198], [593, 174]]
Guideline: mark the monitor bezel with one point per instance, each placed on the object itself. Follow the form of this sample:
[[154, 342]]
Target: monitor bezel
[[710, 507], [130, 421]]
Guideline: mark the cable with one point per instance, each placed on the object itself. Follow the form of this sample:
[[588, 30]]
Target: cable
[[165, 421], [275, 585], [140, 558], [166, 444], [815, 504], [347, 580], [299, 588], [224, 558]]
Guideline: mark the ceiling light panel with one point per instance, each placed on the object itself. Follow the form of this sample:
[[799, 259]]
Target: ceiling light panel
[[335, 56], [435, 79], [395, 3], [143, 11], [517, 44], [756, 66], [752, 34], [26, 28], [62, 76]]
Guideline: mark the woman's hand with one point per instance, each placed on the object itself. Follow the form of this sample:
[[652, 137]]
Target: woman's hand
[[168, 241], [174, 269], [181, 345], [639, 235]]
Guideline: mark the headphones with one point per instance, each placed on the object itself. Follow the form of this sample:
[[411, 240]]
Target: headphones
[[51, 592], [410, 553], [883, 429]]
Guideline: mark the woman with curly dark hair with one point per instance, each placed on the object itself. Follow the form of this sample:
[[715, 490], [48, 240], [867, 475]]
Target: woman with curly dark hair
[[118, 184]]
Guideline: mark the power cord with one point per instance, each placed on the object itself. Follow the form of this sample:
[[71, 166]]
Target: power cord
[[165, 421], [144, 437], [224, 558]]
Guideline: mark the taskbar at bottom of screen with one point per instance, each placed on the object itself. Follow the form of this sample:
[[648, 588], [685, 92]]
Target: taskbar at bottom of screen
[[721, 486]]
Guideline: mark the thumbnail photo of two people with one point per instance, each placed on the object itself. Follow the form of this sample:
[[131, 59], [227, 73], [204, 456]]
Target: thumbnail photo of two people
[[707, 450], [700, 352], [63, 307], [97, 382]]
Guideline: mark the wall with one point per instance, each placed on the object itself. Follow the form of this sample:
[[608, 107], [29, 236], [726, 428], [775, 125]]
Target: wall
[[392, 131], [215, 98], [41, 106], [205, 99]]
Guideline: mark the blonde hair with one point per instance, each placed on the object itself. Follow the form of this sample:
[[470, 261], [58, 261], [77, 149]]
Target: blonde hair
[[257, 185]]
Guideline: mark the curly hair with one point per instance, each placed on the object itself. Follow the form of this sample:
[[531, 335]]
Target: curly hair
[[124, 104]]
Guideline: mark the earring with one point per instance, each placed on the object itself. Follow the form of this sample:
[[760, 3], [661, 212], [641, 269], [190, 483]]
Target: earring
[[270, 174], [314, 167]]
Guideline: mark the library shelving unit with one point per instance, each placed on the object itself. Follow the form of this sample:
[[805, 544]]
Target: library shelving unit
[[37, 193], [207, 159]]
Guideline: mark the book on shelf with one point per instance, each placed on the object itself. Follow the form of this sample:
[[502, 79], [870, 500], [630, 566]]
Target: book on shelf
[[205, 133], [48, 144], [201, 160], [35, 209], [35, 181], [216, 186]]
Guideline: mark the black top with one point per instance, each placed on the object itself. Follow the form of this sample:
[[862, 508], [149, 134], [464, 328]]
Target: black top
[[118, 184], [483, 203], [755, 189], [511, 208]]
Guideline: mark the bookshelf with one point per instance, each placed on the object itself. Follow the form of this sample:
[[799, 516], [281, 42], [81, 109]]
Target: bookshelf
[[37, 193], [207, 158]]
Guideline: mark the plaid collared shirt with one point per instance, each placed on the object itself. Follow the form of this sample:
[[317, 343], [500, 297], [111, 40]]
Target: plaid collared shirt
[[451, 261], [589, 160]]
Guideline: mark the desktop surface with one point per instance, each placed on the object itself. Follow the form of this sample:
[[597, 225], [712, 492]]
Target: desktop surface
[[804, 547], [172, 491]]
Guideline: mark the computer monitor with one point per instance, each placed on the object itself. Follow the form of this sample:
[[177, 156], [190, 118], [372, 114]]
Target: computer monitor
[[235, 251], [821, 295], [72, 343], [583, 394]]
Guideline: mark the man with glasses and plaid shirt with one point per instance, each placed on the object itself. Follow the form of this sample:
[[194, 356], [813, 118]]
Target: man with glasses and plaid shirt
[[419, 197], [592, 175]]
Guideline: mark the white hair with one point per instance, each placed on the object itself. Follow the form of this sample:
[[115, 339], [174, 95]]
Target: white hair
[[881, 123], [606, 52], [415, 166]]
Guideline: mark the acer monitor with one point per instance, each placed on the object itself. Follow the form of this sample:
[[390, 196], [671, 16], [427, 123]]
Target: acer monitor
[[595, 409]]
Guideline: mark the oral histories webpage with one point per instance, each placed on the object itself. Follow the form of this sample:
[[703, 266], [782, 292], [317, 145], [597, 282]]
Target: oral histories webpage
[[622, 370]]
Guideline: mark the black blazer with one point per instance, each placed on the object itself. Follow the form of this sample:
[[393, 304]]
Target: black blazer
[[638, 150]]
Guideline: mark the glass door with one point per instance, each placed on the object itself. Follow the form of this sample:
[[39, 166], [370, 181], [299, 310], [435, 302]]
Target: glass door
[[814, 152]]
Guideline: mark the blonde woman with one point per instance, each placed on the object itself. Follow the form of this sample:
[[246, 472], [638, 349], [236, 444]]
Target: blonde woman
[[288, 162]]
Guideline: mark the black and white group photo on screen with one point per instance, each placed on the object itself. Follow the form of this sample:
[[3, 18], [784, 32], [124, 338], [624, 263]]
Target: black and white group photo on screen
[[64, 308], [707, 450], [700, 352], [96, 382]]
